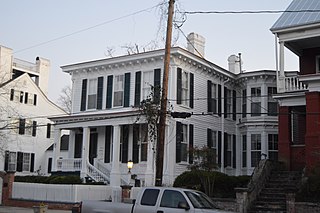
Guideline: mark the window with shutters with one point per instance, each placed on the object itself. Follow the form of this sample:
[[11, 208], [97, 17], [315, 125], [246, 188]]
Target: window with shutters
[[244, 150], [229, 150], [273, 146], [272, 103], [244, 103], [184, 143], [212, 144], [185, 88], [118, 90], [144, 142], [229, 103], [28, 127], [255, 149], [255, 101], [12, 161], [147, 83], [214, 98], [92, 94], [26, 162]]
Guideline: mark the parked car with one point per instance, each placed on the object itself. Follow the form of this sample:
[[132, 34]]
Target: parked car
[[157, 200]]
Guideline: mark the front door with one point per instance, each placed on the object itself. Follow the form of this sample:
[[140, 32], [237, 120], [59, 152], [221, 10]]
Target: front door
[[93, 146]]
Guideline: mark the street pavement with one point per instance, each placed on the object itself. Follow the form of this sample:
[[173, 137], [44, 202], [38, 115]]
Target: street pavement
[[7, 209]]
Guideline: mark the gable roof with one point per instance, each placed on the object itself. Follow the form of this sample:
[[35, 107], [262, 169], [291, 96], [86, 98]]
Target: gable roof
[[294, 19]]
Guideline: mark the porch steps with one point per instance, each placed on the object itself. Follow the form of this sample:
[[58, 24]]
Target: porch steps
[[272, 198]]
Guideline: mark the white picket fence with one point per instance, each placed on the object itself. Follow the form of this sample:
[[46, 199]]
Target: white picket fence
[[64, 193]]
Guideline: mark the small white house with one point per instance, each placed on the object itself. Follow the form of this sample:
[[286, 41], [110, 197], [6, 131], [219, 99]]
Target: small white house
[[25, 130], [229, 114]]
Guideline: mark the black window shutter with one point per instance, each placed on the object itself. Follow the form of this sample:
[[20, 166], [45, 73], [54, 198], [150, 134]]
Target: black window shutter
[[11, 94], [157, 85], [6, 160], [19, 161], [179, 85], [137, 89], [34, 128], [48, 130], [178, 141], [126, 89], [35, 99], [109, 91], [219, 100], [26, 97], [219, 147], [191, 95], [209, 138], [191, 144], [225, 144], [83, 95], [234, 105], [125, 143], [99, 92], [107, 144], [21, 97], [209, 93], [234, 160], [32, 163], [225, 102], [22, 126], [135, 150]]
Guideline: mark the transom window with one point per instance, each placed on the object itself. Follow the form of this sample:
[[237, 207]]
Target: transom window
[[118, 90]]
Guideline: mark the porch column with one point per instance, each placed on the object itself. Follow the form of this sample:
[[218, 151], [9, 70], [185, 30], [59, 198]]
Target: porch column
[[71, 144], [85, 150], [281, 77], [284, 136], [56, 148], [115, 171]]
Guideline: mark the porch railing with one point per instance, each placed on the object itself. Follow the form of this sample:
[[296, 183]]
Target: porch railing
[[96, 174], [293, 84], [69, 164]]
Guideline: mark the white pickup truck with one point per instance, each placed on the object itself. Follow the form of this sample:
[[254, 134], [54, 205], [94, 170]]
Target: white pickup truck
[[157, 200]]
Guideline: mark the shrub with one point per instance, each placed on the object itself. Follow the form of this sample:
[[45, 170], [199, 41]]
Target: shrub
[[223, 185], [70, 179], [310, 191]]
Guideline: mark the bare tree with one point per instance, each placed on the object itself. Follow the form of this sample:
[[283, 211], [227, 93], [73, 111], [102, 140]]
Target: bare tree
[[64, 100]]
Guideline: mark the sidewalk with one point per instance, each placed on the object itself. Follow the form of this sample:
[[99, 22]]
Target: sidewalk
[[9, 209]]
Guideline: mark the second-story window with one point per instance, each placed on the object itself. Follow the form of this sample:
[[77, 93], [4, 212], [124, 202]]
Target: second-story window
[[118, 90], [244, 103], [272, 103], [92, 94], [229, 103], [255, 101], [212, 97], [147, 83], [185, 88]]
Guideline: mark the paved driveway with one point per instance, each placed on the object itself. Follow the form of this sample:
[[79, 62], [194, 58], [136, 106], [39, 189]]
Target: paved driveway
[[7, 209]]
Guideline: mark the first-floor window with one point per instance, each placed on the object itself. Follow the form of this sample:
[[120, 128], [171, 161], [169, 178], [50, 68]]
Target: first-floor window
[[244, 150], [26, 162], [255, 149], [144, 142], [184, 143], [229, 150], [273, 146], [12, 161]]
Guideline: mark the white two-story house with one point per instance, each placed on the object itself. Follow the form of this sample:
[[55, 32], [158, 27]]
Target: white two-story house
[[25, 130], [229, 115]]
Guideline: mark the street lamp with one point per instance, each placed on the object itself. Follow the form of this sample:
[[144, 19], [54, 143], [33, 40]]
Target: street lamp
[[129, 165]]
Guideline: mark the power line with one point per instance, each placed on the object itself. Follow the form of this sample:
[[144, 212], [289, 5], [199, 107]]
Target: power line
[[88, 28], [250, 12]]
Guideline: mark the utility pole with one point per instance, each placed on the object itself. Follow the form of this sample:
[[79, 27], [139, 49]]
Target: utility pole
[[163, 109]]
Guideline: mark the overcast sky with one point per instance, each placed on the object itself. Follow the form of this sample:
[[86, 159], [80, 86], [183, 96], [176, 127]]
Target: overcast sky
[[71, 31]]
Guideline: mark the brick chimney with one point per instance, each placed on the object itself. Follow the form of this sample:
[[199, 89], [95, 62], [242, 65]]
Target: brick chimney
[[196, 44]]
